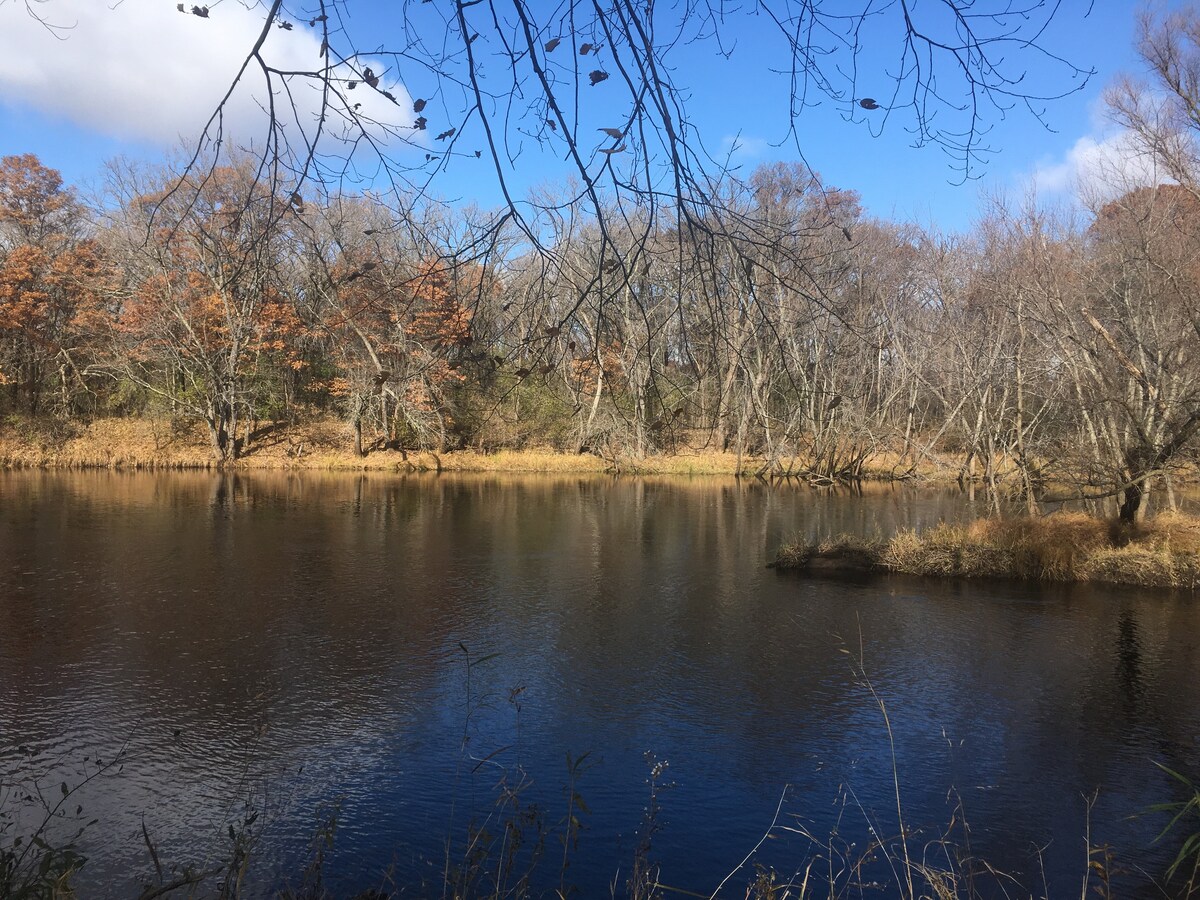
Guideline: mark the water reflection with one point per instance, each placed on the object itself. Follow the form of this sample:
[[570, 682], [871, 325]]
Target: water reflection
[[302, 634]]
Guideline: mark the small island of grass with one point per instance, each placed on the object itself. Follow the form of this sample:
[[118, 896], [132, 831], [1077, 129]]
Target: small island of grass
[[1063, 547]]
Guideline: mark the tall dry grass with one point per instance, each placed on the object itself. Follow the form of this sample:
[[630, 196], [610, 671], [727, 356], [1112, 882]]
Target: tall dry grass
[[326, 443], [1064, 547]]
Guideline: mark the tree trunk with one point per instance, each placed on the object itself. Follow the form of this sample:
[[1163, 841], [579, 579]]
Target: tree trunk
[[1131, 502]]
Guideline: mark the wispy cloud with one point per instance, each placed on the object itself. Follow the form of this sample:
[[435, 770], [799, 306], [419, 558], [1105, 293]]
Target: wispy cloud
[[141, 69], [740, 149], [1098, 167]]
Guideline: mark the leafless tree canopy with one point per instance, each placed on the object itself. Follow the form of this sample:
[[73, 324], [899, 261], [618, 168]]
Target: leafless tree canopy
[[604, 88], [654, 299]]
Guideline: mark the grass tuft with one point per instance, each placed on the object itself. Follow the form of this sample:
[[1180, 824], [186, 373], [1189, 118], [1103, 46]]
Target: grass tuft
[[1063, 547]]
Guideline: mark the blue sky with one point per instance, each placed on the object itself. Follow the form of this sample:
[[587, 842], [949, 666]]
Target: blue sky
[[131, 77]]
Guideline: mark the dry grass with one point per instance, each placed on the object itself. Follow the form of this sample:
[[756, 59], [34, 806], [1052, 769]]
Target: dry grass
[[322, 444], [1163, 552], [888, 465], [691, 462], [326, 444], [533, 460], [105, 444]]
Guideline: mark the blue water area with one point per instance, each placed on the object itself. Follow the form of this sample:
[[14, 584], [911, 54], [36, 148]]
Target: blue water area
[[553, 681]]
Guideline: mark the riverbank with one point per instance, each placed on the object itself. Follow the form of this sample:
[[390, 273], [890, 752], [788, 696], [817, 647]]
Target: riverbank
[[326, 444], [1064, 547]]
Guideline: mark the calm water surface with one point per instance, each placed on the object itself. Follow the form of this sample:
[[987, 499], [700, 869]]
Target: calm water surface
[[282, 644]]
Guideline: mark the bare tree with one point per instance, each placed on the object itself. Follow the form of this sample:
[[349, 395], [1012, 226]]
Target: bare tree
[[1164, 117], [598, 85], [1138, 338], [204, 311]]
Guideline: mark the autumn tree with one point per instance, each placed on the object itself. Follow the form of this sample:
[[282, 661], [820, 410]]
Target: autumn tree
[[436, 336], [397, 315], [206, 320], [51, 288], [489, 86]]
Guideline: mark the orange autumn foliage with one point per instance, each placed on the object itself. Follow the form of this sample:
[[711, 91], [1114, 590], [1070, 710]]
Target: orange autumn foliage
[[52, 284]]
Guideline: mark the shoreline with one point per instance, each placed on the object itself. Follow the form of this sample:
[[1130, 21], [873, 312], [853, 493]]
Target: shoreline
[[325, 445]]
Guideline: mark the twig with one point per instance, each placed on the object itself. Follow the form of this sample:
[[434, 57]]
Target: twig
[[761, 840]]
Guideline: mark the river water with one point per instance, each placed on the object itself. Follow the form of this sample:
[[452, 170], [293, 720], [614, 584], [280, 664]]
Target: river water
[[410, 651]]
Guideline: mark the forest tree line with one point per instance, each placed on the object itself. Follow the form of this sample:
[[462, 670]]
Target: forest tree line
[[762, 314], [807, 335]]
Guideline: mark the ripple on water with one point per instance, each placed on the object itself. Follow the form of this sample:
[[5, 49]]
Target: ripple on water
[[285, 645]]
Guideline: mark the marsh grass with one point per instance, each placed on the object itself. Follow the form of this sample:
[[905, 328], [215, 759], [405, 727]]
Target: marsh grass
[[1184, 871], [1062, 547], [161, 443]]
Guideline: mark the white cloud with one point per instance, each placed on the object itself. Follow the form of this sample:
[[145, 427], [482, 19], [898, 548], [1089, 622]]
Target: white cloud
[[1098, 168], [739, 148], [141, 69]]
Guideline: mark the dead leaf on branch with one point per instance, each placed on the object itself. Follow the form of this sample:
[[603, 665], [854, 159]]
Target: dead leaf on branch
[[201, 11], [868, 103], [446, 134], [420, 123], [418, 105], [615, 133], [370, 77], [596, 76], [609, 151], [552, 43]]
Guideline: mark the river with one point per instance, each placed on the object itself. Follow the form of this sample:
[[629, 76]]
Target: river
[[251, 653]]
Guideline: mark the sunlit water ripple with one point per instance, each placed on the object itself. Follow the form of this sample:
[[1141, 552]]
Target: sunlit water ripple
[[285, 645]]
